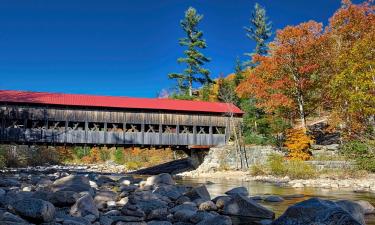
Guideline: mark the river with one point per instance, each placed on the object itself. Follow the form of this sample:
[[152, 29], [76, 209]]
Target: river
[[218, 187]]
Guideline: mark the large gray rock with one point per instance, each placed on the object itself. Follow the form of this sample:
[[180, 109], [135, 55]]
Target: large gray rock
[[148, 201], [273, 198], [216, 220], [199, 192], [184, 215], [163, 178], [8, 217], [237, 191], [316, 211], [35, 210], [367, 207], [9, 182], [64, 198], [72, 183], [102, 197], [84, 206], [241, 205], [155, 222], [354, 209], [220, 201], [171, 191]]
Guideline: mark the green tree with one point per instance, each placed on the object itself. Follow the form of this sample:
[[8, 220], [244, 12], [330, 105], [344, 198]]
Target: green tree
[[194, 59], [238, 73], [260, 31]]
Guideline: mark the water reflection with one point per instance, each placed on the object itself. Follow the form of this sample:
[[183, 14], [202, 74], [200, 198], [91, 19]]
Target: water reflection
[[218, 187]]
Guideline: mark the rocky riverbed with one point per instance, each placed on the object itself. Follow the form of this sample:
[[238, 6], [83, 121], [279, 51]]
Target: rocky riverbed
[[75, 196]]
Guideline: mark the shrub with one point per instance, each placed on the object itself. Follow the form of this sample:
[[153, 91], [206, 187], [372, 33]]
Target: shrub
[[276, 165], [80, 152], [132, 165], [257, 170], [298, 169], [295, 169], [298, 143], [105, 154], [363, 152], [119, 156]]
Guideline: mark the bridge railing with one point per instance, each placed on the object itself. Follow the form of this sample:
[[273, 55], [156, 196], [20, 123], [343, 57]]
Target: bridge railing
[[103, 137]]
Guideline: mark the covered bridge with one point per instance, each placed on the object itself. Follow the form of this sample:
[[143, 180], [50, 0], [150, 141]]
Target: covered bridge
[[76, 119]]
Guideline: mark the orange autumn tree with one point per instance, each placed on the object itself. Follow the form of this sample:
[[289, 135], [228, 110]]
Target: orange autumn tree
[[288, 79]]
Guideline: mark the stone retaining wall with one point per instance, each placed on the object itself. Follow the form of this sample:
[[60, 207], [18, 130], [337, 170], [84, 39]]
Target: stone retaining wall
[[224, 157], [320, 165]]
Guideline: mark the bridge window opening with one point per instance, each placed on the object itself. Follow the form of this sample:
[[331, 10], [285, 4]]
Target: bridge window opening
[[56, 125], [152, 128], [169, 129], [203, 130], [76, 125], [35, 124], [96, 126], [186, 129], [14, 124], [115, 127], [132, 128], [218, 130]]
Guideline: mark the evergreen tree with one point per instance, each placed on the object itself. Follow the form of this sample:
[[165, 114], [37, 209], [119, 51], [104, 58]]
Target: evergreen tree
[[193, 58], [260, 31], [238, 73]]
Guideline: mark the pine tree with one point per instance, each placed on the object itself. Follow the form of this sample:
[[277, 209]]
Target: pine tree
[[260, 31], [194, 59], [238, 73]]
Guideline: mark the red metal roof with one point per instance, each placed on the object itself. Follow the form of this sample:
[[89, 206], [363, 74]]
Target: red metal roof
[[13, 96]]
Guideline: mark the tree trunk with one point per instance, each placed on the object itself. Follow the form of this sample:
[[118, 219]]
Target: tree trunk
[[190, 87], [301, 109]]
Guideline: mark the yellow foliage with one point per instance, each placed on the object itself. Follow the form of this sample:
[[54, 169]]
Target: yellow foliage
[[298, 143]]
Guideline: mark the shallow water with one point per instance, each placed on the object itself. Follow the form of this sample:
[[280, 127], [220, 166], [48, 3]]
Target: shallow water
[[220, 186]]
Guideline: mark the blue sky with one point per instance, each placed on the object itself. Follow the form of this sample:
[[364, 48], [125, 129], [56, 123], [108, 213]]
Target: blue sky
[[123, 47]]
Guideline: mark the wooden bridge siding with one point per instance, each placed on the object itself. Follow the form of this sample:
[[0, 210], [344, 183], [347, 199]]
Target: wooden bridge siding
[[75, 115], [99, 137]]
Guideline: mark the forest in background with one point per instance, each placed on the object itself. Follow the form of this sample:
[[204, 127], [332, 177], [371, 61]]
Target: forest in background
[[300, 75]]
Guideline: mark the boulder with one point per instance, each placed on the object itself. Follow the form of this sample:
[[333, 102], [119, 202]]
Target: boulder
[[354, 209], [9, 182], [155, 222], [273, 198], [220, 201], [241, 205], [84, 206], [102, 197], [366, 207], [184, 215], [163, 178], [72, 183], [238, 191], [64, 198], [207, 206], [35, 210], [199, 192], [200, 216], [216, 220], [158, 214], [187, 205], [316, 211], [133, 210], [8, 217], [171, 191]]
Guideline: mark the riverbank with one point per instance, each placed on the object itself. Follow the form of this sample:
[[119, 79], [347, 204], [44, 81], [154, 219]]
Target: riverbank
[[65, 195], [362, 184]]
